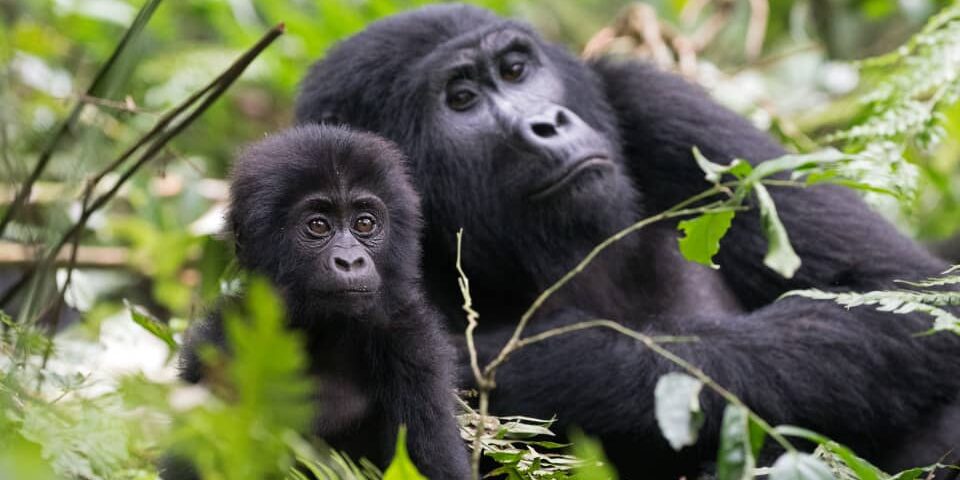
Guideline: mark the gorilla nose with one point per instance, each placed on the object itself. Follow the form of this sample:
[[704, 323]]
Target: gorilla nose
[[350, 264], [550, 124]]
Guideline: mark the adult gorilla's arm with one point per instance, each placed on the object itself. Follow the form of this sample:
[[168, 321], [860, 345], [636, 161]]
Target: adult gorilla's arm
[[795, 361], [853, 374], [841, 242]]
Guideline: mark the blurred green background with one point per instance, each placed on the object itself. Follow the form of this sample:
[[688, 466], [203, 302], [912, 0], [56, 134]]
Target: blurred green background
[[792, 81], [787, 66]]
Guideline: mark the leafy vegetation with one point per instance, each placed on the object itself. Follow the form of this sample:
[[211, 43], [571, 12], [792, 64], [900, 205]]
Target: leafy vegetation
[[118, 119]]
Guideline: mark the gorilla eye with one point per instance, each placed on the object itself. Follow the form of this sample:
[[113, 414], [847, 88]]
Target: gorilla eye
[[461, 99], [511, 70], [319, 227], [364, 225]]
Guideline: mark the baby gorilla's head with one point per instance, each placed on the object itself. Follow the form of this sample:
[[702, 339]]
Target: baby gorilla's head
[[329, 215]]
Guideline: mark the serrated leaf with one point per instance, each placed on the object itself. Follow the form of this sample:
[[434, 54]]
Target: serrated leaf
[[677, 408], [702, 235], [735, 458], [402, 467], [799, 466], [780, 256]]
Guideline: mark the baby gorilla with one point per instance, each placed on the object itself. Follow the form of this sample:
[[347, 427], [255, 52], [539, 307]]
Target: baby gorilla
[[330, 217]]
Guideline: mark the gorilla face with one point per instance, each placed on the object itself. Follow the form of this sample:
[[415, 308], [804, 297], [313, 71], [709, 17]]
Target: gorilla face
[[497, 91], [337, 235], [505, 132], [329, 217]]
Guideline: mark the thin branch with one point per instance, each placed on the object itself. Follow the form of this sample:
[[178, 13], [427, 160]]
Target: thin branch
[[472, 316], [20, 255], [206, 96], [643, 19], [655, 346], [757, 28], [128, 105], [676, 211], [712, 26], [23, 195]]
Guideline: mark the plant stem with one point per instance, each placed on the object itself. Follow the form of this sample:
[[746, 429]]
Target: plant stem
[[167, 128], [654, 345], [23, 195], [482, 382], [675, 211]]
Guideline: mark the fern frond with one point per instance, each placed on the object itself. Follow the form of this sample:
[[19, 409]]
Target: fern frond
[[899, 302], [913, 87]]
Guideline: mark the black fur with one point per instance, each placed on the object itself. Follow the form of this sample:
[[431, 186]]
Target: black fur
[[859, 376], [379, 353]]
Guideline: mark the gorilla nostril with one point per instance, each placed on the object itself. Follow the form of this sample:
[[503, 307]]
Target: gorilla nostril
[[543, 130], [345, 265], [341, 264]]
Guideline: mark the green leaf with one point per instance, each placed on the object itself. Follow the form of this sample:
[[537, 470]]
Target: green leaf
[[678, 408], [796, 163], [735, 458], [702, 235], [714, 171], [780, 256], [911, 474], [152, 325], [267, 395], [595, 465], [863, 469], [799, 466], [402, 468]]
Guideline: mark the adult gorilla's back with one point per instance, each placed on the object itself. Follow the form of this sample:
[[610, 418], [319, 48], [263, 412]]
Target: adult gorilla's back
[[539, 157]]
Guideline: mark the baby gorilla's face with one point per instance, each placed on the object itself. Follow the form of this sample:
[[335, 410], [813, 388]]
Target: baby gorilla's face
[[337, 236], [330, 217]]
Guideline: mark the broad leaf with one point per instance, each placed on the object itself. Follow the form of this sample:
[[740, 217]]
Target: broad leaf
[[678, 408], [736, 457], [595, 465], [155, 327], [402, 467], [863, 469], [797, 164], [799, 466], [780, 256], [702, 236], [714, 171]]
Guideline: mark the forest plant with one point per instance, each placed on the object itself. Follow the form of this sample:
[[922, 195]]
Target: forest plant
[[912, 89], [916, 296]]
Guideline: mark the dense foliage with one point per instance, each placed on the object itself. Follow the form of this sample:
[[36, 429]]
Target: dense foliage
[[114, 140]]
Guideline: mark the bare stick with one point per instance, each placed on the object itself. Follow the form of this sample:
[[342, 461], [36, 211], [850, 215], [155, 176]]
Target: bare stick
[[472, 316], [168, 127], [23, 195], [676, 211], [20, 255], [757, 29], [655, 345]]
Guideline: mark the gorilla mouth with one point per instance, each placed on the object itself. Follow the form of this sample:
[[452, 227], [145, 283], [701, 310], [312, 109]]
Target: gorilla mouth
[[562, 178], [348, 292], [353, 291]]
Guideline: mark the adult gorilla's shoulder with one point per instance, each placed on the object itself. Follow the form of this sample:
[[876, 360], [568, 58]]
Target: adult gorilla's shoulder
[[539, 156]]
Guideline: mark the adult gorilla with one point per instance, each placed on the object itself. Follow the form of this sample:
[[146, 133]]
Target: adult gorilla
[[539, 157]]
